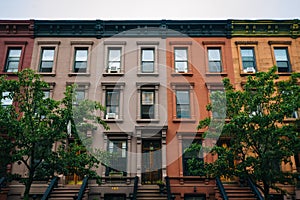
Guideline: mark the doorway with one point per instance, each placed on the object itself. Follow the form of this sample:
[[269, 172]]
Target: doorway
[[151, 161]]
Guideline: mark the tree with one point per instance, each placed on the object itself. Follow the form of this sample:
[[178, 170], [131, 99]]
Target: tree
[[33, 124], [261, 138]]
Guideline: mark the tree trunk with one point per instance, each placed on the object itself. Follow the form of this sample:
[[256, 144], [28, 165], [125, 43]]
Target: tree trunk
[[28, 184], [266, 190]]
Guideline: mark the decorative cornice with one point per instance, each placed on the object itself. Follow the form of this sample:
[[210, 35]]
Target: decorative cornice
[[132, 28], [17, 28], [263, 28]]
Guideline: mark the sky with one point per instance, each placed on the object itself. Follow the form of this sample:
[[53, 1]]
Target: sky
[[149, 9]]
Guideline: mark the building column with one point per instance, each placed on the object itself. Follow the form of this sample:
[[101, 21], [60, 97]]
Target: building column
[[139, 153]]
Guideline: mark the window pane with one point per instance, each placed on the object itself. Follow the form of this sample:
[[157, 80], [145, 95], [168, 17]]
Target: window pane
[[215, 66], [114, 55], [182, 97], [119, 162], [112, 98], [247, 54], [147, 111], [147, 97], [280, 54], [147, 67], [214, 55], [48, 55], [181, 54], [147, 55], [12, 66], [181, 66], [81, 55], [6, 100], [46, 94], [15, 53]]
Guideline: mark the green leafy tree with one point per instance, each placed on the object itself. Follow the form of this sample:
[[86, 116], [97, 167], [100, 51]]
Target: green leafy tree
[[261, 138], [33, 124]]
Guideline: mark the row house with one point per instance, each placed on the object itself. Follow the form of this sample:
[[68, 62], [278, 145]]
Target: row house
[[155, 78]]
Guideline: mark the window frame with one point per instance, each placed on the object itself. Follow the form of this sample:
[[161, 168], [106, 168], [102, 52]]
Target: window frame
[[76, 61], [13, 45], [247, 44], [114, 45], [253, 61], [185, 60], [220, 60], [147, 61], [7, 60], [47, 45], [147, 45], [184, 87], [181, 104], [120, 160], [287, 61], [147, 106], [147, 87], [46, 61], [80, 45], [112, 86], [110, 105]]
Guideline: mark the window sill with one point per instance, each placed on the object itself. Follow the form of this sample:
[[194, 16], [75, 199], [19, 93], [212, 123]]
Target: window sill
[[47, 73], [147, 120], [182, 74], [113, 120], [78, 74], [9, 73], [284, 73], [247, 74], [177, 120], [290, 119], [216, 74], [147, 74], [113, 74]]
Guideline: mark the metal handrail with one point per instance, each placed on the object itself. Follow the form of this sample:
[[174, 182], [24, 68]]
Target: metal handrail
[[2, 181], [254, 189], [82, 188], [221, 188], [135, 187], [52, 184], [168, 188]]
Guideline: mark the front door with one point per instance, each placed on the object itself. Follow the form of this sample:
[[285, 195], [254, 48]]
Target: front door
[[151, 161]]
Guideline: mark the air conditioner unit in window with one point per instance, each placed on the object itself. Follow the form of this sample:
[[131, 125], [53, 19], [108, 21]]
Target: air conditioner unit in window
[[113, 69], [250, 70], [111, 116]]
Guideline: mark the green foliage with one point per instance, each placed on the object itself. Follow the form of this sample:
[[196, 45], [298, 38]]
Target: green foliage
[[261, 138], [33, 124]]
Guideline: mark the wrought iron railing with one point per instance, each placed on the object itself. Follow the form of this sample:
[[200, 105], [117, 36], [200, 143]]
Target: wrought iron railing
[[52, 185], [135, 188], [254, 189], [82, 188], [168, 188], [221, 188], [2, 182]]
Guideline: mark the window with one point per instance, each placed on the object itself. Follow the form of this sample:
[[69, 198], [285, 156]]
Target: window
[[119, 162], [147, 100], [183, 104], [47, 94], [147, 60], [282, 60], [13, 59], [248, 60], [181, 60], [79, 96], [191, 150], [114, 60], [6, 100], [214, 59], [147, 104], [47, 59], [80, 60], [112, 104]]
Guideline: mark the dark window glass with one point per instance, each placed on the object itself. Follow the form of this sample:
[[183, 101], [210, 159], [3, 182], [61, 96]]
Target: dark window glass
[[147, 104], [80, 61]]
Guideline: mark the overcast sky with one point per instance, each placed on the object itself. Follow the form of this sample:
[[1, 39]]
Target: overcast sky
[[150, 9]]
